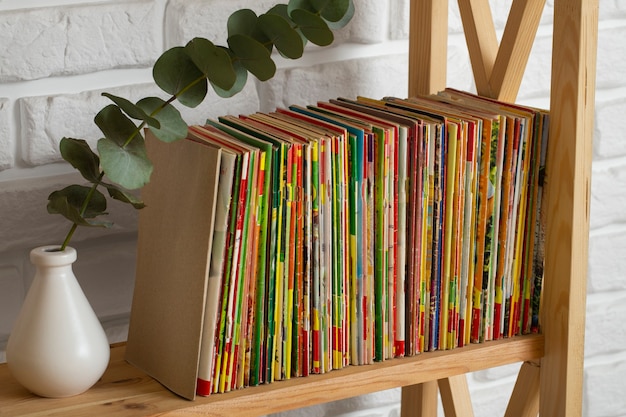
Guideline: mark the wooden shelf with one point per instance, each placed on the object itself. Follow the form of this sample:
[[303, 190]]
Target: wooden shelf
[[125, 391]]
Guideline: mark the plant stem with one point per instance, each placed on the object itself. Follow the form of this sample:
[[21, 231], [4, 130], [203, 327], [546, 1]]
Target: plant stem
[[69, 236], [83, 209], [161, 107]]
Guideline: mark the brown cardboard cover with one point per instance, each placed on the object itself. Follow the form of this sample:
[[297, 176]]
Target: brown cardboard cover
[[174, 243]]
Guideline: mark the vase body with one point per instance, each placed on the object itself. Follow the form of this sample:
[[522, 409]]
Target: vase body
[[57, 347]]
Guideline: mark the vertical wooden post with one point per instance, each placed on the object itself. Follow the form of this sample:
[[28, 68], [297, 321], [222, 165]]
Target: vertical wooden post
[[568, 179], [428, 57], [428, 46]]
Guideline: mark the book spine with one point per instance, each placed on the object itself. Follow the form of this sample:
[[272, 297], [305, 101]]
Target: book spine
[[401, 230], [485, 206]]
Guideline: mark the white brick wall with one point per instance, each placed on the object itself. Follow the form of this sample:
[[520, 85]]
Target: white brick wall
[[57, 56], [52, 41]]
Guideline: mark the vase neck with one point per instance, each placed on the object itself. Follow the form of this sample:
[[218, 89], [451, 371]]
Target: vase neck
[[51, 256]]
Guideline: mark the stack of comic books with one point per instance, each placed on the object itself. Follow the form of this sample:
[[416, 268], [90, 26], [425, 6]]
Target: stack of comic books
[[359, 230]]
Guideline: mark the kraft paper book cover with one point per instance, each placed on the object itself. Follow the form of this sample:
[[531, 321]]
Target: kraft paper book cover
[[172, 273]]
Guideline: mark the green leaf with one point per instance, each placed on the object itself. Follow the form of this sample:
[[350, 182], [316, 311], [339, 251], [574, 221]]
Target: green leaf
[[69, 201], [122, 151], [244, 22], [318, 5], [343, 21], [253, 56], [213, 61], [124, 196], [313, 27], [285, 38], [128, 166], [132, 110], [175, 73], [240, 82], [332, 10], [241, 22], [282, 11], [300, 5], [115, 125], [173, 127], [78, 153]]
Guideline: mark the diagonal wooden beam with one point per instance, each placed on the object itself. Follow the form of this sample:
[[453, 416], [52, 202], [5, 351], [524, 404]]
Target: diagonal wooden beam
[[498, 70], [524, 401], [419, 400], [482, 43], [455, 396], [517, 41]]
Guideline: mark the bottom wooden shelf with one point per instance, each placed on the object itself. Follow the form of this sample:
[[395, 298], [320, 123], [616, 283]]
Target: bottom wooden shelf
[[126, 391]]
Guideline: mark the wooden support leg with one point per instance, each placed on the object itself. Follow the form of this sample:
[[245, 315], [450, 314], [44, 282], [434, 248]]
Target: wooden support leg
[[524, 400], [455, 397], [419, 400]]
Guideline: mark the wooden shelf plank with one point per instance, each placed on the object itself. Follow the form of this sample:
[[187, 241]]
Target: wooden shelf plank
[[125, 391]]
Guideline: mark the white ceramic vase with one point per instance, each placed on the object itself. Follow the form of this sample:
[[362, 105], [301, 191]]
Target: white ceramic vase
[[57, 347]]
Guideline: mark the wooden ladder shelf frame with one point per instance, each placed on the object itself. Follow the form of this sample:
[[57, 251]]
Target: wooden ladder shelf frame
[[553, 386], [126, 391]]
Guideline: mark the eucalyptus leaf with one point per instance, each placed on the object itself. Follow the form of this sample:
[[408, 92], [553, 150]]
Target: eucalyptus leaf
[[128, 166], [349, 14], [213, 61], [173, 127], [313, 27], [253, 56], [124, 196], [332, 10], [244, 22], [176, 73], [115, 125], [78, 153], [69, 203], [241, 22], [282, 11], [300, 5], [286, 39], [132, 110], [318, 5], [240, 82]]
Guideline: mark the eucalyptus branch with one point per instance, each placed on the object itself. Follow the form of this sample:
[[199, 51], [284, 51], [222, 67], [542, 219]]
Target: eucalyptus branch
[[122, 155], [136, 132]]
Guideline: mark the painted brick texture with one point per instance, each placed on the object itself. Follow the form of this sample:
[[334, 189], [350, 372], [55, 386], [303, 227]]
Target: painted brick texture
[[56, 60], [52, 41]]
